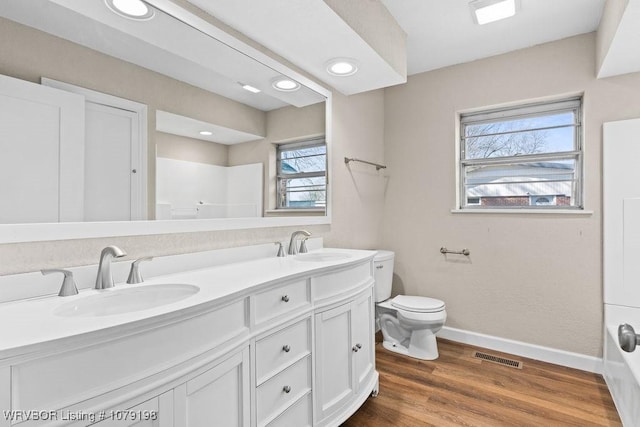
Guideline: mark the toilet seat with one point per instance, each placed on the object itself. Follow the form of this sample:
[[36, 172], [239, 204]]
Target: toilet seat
[[417, 304]]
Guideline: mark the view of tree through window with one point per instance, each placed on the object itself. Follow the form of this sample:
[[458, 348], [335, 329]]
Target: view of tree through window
[[527, 156], [301, 181]]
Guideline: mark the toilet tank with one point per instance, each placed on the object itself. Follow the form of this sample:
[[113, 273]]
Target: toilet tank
[[383, 274]]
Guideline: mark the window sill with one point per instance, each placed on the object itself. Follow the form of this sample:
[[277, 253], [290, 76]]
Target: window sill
[[577, 212], [295, 212]]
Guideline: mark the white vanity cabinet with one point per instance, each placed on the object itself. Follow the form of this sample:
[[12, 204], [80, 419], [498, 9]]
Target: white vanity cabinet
[[344, 341], [344, 354], [220, 394], [296, 351]]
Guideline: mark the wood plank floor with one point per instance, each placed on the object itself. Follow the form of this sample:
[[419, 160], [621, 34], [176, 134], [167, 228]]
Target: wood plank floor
[[458, 390]]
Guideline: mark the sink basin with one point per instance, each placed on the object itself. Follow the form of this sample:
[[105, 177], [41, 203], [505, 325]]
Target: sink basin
[[322, 257], [126, 300]]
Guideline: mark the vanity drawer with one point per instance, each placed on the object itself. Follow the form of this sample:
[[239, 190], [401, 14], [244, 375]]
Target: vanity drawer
[[272, 397], [281, 300], [335, 284], [299, 415], [278, 350]]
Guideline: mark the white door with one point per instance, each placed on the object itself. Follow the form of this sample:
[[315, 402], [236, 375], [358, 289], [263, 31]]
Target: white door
[[621, 206], [217, 397], [334, 360], [363, 339], [115, 156], [110, 135], [41, 153]]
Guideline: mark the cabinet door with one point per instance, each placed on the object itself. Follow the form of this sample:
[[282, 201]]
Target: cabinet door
[[219, 396], [334, 374], [363, 339]]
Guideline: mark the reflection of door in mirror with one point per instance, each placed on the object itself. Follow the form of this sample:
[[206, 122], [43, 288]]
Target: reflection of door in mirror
[[114, 152], [41, 141]]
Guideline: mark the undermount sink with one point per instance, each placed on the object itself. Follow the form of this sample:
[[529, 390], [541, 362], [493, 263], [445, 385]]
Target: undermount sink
[[126, 300], [322, 256]]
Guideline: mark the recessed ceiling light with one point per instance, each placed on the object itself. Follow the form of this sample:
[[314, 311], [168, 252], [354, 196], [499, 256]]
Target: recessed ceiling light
[[284, 84], [132, 9], [250, 88], [342, 67], [205, 133], [485, 11]]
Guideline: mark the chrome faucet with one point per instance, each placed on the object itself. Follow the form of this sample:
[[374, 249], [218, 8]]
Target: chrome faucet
[[293, 250], [69, 286], [105, 279], [134, 273]]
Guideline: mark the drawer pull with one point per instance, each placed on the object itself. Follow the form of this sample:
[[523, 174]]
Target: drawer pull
[[379, 267], [286, 348], [285, 298], [286, 389]]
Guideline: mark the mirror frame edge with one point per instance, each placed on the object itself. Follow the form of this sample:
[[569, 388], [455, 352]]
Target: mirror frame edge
[[40, 232]]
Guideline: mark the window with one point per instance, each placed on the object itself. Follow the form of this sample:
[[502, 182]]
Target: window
[[523, 157], [301, 175]]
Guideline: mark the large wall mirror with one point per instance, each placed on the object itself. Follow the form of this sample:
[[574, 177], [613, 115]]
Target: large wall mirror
[[117, 125]]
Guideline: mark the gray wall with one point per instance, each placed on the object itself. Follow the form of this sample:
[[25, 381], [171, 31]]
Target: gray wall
[[532, 278]]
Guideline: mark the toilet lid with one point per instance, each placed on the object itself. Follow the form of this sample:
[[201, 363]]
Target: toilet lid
[[417, 304]]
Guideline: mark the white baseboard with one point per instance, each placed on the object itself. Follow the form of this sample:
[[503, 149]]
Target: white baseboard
[[519, 348]]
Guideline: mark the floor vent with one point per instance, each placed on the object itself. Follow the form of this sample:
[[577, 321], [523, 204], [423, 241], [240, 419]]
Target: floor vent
[[499, 360]]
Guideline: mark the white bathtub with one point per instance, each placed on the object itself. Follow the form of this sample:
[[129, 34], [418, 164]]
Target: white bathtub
[[622, 369]]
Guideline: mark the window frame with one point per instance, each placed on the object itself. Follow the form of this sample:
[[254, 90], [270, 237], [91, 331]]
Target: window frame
[[289, 146], [522, 111]]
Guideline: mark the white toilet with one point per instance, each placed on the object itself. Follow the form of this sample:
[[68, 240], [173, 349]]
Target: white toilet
[[408, 323]]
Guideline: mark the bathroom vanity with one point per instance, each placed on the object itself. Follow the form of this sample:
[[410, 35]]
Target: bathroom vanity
[[270, 341]]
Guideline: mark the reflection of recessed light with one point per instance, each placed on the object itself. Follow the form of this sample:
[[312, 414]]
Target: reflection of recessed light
[[205, 133], [485, 11], [285, 85], [342, 67], [133, 9], [250, 88]]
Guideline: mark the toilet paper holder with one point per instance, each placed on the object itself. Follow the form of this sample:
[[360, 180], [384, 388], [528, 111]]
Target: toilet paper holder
[[465, 251]]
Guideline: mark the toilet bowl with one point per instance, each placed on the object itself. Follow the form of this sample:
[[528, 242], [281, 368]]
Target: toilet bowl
[[408, 323]]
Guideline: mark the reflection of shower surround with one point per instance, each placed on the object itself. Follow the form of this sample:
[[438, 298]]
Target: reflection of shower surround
[[189, 190]]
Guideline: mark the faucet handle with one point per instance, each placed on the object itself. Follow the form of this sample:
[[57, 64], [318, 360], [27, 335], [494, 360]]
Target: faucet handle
[[68, 283], [134, 273], [303, 246], [281, 253]]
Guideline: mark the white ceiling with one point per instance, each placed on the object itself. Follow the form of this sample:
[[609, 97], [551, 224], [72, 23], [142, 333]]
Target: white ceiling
[[439, 32], [162, 44], [442, 32], [309, 34]]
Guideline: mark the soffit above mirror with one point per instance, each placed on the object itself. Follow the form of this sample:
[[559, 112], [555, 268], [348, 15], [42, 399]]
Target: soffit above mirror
[[159, 44], [312, 33], [191, 128]]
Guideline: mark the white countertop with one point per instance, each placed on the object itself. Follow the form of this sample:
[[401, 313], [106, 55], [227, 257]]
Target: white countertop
[[27, 324]]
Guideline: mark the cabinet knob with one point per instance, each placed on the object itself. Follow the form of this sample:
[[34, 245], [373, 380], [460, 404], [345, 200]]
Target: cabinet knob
[[286, 348], [355, 348], [285, 298], [286, 389], [359, 346]]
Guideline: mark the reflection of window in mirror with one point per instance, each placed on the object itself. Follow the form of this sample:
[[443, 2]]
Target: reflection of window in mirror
[[301, 179]]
